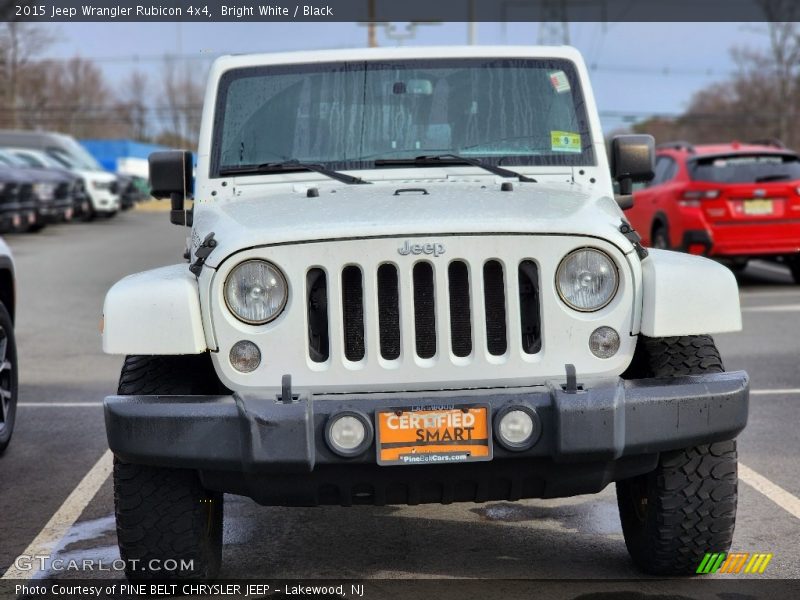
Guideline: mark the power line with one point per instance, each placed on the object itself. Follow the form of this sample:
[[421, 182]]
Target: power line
[[659, 71]]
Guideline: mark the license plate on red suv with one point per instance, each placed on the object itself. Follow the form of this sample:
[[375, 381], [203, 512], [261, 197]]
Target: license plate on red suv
[[758, 207]]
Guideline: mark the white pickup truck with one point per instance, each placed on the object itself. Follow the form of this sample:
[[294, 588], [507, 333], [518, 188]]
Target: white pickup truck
[[410, 280]]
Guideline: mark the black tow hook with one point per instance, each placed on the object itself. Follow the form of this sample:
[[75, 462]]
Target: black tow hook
[[571, 386], [287, 397]]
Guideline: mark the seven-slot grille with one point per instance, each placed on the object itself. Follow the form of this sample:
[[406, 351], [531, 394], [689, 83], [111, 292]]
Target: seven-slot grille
[[424, 299]]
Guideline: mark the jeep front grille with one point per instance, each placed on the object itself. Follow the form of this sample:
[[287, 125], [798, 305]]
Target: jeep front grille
[[460, 309], [389, 312], [353, 313], [425, 294], [424, 310]]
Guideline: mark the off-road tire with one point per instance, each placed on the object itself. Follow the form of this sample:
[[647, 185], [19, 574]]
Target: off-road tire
[[168, 375], [163, 514], [8, 378], [672, 516]]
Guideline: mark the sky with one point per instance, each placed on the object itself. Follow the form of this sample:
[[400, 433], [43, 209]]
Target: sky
[[636, 69]]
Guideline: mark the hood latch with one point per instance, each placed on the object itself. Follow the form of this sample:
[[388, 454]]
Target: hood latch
[[205, 248], [634, 238]]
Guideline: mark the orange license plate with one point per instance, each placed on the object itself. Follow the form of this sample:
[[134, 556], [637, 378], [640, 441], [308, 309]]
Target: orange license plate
[[433, 436]]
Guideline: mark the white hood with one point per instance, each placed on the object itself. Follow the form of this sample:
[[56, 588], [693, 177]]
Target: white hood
[[347, 212]]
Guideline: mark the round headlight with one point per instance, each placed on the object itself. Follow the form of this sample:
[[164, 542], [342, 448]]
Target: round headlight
[[587, 279], [256, 292]]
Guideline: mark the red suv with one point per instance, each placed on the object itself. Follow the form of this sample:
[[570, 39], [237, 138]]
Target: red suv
[[731, 202]]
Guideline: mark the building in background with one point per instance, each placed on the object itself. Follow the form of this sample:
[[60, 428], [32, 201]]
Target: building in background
[[126, 157]]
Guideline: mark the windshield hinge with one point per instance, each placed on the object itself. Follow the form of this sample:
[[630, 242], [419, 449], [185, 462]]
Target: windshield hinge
[[206, 247], [634, 238]]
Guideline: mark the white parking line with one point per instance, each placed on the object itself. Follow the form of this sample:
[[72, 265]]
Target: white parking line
[[60, 523], [785, 292], [772, 308], [776, 392], [776, 493]]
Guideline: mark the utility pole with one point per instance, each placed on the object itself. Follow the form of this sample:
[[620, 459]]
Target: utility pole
[[372, 38], [554, 26], [472, 26]]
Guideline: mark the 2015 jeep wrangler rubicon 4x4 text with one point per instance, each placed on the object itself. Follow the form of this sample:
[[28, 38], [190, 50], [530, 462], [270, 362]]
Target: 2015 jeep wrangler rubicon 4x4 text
[[410, 281]]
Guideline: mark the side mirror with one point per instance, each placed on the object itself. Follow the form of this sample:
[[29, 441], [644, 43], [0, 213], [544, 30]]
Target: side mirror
[[632, 161], [171, 177]]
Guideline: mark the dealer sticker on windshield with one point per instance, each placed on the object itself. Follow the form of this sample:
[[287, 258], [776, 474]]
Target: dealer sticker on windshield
[[433, 435], [565, 141], [559, 81]]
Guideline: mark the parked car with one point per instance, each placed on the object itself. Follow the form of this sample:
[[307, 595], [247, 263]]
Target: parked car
[[8, 347], [11, 212], [81, 203], [447, 307], [732, 202], [101, 185], [128, 192], [30, 206], [56, 187]]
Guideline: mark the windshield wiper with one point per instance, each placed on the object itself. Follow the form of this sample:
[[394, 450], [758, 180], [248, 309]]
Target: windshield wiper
[[291, 165], [452, 159]]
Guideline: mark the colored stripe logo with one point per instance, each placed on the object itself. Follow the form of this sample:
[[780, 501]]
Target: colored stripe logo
[[734, 562]]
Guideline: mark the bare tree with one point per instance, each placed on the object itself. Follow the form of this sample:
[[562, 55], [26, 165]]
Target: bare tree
[[132, 105], [758, 102], [183, 95], [20, 45]]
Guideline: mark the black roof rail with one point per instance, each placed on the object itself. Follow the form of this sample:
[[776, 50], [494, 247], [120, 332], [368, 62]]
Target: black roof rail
[[677, 145], [774, 142]]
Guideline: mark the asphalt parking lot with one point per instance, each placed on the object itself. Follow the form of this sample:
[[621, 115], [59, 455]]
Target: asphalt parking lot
[[57, 457]]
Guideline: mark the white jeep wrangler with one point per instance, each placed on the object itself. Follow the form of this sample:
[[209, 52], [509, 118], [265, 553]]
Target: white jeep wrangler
[[410, 281]]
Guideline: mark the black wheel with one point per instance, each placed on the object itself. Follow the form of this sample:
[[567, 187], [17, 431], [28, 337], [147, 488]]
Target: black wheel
[[168, 526], [674, 515], [738, 267], [88, 214], [37, 226], [660, 238], [8, 378], [794, 267]]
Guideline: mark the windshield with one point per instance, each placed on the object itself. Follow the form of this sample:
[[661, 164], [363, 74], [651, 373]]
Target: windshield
[[752, 168], [346, 115], [80, 156], [63, 159], [12, 160]]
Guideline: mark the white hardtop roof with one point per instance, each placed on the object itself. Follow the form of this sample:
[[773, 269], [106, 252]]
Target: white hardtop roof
[[224, 63]]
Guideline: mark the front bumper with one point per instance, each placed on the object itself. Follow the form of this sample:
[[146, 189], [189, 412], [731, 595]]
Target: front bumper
[[276, 453], [104, 201]]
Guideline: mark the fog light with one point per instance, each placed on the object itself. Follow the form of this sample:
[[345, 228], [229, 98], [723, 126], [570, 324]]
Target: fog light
[[517, 427], [348, 434], [245, 356], [604, 342]]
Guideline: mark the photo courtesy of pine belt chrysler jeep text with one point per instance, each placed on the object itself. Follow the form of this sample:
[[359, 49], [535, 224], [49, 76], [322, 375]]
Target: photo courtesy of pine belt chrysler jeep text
[[410, 280]]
